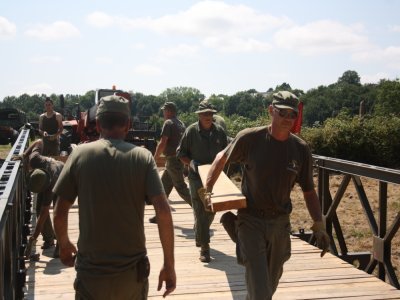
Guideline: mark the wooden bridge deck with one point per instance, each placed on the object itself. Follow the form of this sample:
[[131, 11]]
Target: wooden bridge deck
[[306, 275]]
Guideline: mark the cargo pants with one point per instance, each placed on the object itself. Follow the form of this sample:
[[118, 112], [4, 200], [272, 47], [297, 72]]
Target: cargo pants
[[47, 230], [173, 177], [114, 287], [202, 218], [264, 247]]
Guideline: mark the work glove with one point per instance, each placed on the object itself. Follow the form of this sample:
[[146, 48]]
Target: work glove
[[205, 198], [193, 166], [323, 240]]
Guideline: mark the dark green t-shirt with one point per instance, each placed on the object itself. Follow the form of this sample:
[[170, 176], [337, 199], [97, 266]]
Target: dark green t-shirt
[[111, 179], [202, 145], [173, 129], [53, 169], [271, 168]]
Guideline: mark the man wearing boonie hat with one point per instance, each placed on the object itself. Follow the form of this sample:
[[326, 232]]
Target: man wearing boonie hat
[[41, 180], [199, 145], [171, 134], [112, 179], [274, 161]]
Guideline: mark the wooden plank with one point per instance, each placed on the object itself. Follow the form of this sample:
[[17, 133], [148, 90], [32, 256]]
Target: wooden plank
[[226, 195]]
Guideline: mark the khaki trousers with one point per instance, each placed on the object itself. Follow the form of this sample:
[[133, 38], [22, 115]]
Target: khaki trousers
[[265, 247]]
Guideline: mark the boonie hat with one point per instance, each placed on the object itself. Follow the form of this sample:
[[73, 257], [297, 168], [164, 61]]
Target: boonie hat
[[113, 104], [205, 106], [38, 180], [169, 105], [285, 100]]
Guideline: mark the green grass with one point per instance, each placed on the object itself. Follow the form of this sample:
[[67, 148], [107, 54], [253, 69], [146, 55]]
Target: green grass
[[4, 150]]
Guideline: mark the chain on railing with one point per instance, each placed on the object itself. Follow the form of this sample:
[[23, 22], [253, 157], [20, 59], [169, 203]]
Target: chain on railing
[[15, 216]]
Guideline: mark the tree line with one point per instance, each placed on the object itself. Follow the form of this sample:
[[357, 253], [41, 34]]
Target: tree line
[[381, 101]]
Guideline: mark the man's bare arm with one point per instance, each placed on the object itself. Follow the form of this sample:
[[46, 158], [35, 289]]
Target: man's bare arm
[[166, 232], [313, 205], [67, 249], [216, 168], [160, 147], [60, 124]]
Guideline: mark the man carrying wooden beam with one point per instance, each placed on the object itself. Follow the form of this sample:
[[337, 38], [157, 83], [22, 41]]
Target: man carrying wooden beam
[[274, 160]]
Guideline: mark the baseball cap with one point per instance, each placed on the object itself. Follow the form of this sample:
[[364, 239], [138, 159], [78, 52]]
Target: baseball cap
[[205, 106], [285, 100], [38, 180], [113, 104], [169, 105]]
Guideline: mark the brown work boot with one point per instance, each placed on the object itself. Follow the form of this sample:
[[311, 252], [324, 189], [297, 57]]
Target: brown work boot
[[205, 254], [228, 220]]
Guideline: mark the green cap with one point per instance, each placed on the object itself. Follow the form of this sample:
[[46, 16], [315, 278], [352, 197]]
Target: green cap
[[286, 100], [205, 106], [38, 181], [113, 104], [169, 105]]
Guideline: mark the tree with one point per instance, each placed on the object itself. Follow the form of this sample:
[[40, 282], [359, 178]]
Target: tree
[[349, 77], [187, 99], [388, 97], [249, 105]]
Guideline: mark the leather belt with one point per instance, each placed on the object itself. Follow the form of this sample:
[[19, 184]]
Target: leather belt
[[260, 213]]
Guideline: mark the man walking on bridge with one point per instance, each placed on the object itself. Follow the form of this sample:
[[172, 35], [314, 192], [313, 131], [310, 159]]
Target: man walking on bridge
[[199, 145], [111, 179], [273, 161], [171, 134]]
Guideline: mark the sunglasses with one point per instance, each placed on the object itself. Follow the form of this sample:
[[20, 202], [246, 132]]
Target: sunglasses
[[286, 113]]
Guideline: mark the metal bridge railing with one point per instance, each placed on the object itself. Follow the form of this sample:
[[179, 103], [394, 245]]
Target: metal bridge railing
[[15, 216], [382, 234]]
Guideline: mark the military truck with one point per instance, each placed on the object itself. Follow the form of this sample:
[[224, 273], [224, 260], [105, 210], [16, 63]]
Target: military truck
[[83, 129], [11, 121]]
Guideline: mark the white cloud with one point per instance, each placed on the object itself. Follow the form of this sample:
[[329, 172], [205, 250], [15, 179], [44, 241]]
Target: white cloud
[[39, 88], [137, 46], [45, 59], [56, 31], [373, 78], [182, 50], [322, 36], [395, 28], [104, 60], [217, 25], [389, 56], [7, 29], [148, 70], [100, 19], [236, 44]]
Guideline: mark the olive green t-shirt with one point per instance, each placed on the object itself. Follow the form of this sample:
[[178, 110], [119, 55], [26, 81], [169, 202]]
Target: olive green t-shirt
[[111, 179], [271, 168], [53, 169], [202, 145], [173, 129]]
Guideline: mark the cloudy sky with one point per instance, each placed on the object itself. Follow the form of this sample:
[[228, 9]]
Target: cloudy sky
[[71, 47]]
